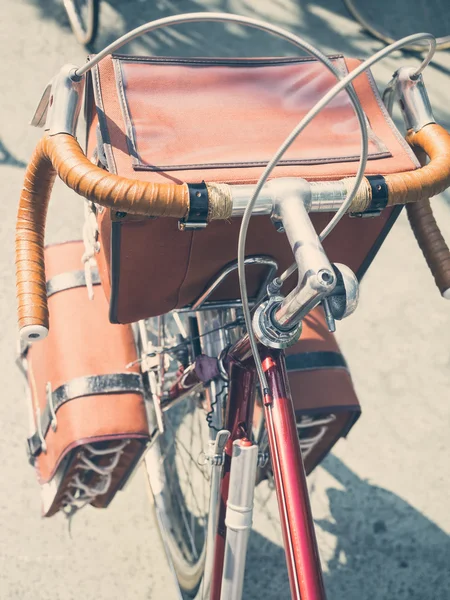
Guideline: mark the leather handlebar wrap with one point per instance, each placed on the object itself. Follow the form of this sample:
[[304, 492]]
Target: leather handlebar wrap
[[427, 232], [62, 155], [431, 179]]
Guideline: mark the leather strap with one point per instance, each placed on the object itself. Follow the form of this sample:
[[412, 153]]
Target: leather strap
[[93, 385], [311, 361], [70, 280]]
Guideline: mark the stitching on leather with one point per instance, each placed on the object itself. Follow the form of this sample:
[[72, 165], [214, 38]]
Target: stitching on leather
[[124, 109], [288, 162], [102, 120], [34, 397], [139, 165], [381, 146], [220, 61], [188, 265], [390, 122]]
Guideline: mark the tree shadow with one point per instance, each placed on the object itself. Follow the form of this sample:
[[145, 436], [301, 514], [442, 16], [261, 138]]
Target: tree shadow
[[316, 20], [383, 547], [6, 158]]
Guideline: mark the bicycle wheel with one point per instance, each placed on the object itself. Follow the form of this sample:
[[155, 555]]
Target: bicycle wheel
[[390, 21], [178, 471], [83, 17]]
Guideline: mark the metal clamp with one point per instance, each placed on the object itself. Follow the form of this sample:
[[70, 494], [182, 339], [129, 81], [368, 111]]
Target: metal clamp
[[54, 421], [217, 448], [268, 331], [197, 217], [379, 197]]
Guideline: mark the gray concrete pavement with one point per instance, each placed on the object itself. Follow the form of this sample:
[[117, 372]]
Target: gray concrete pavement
[[381, 502]]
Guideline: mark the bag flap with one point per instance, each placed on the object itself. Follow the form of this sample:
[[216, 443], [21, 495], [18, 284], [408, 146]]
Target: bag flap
[[223, 119]]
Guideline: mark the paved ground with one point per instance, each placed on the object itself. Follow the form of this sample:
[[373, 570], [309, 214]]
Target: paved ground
[[381, 502]]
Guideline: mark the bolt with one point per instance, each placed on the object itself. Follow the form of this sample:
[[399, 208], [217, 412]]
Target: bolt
[[325, 277]]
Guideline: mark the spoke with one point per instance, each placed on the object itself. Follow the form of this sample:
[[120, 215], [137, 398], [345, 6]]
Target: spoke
[[179, 443], [184, 516], [199, 423], [183, 464]]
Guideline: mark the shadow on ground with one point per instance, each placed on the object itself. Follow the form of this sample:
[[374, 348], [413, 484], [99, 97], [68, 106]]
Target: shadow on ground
[[208, 39], [383, 547], [7, 159]]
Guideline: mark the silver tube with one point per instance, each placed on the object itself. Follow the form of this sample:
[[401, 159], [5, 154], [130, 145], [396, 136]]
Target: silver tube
[[326, 196], [413, 99], [238, 517], [315, 273], [242, 195], [217, 447]]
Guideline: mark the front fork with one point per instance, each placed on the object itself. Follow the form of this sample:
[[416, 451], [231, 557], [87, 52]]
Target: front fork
[[302, 554], [238, 478]]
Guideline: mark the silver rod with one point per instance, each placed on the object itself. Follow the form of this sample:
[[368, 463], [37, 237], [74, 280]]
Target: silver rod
[[242, 195], [326, 196], [238, 517], [217, 446]]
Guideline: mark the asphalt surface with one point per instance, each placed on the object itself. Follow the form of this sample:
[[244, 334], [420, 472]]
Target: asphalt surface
[[381, 501]]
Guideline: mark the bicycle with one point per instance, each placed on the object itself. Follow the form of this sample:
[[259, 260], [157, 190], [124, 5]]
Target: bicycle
[[83, 17], [402, 18], [202, 362]]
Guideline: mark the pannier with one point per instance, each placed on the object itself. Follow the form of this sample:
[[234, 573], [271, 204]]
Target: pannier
[[89, 425], [326, 405], [193, 120]]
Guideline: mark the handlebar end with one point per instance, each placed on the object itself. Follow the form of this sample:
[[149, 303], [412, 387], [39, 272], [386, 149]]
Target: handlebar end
[[33, 333]]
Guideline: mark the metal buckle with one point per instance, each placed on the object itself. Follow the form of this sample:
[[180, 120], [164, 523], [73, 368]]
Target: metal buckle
[[197, 217]]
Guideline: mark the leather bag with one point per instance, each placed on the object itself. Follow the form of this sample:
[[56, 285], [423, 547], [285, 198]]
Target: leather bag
[[89, 421], [193, 120], [325, 402]]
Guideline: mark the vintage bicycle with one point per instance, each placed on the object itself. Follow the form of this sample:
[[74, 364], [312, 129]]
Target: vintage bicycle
[[83, 17], [388, 22], [218, 383]]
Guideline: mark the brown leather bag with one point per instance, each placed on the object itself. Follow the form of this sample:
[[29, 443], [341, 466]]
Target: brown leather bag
[[183, 119], [326, 405], [89, 420]]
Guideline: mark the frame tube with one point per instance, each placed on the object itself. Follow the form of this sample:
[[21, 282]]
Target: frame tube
[[305, 573]]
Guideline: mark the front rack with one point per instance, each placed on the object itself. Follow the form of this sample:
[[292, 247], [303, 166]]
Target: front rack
[[202, 301]]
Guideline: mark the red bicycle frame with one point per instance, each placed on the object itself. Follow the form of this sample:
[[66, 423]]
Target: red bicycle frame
[[303, 562]]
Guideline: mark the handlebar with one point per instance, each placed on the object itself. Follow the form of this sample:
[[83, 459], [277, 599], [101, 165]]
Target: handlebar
[[61, 155]]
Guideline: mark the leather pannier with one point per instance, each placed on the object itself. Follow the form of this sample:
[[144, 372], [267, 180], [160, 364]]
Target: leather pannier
[[325, 402], [221, 120], [89, 425]]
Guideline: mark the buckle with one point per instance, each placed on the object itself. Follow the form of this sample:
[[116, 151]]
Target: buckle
[[379, 198], [197, 217]]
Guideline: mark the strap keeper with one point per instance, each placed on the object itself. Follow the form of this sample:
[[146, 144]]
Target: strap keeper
[[379, 197], [197, 217]]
